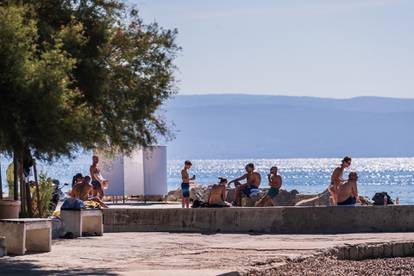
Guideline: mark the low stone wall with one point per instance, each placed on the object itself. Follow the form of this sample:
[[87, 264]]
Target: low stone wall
[[373, 251], [276, 220]]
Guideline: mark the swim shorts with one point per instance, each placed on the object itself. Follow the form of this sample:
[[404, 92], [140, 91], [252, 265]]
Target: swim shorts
[[273, 192], [350, 201], [95, 184], [249, 190], [185, 187]]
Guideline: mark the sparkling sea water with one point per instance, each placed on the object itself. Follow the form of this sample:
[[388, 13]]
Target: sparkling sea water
[[392, 175]]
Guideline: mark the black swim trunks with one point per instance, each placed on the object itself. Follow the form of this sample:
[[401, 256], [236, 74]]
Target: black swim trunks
[[350, 201]]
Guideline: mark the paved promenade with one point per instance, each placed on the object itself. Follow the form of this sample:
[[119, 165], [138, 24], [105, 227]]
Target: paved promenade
[[178, 254]]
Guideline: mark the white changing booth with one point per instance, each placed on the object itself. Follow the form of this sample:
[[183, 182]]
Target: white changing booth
[[143, 173]]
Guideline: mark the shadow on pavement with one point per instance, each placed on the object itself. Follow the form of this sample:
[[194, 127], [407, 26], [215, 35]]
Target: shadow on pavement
[[8, 266]]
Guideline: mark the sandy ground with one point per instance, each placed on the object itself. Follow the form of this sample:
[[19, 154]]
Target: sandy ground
[[177, 253]]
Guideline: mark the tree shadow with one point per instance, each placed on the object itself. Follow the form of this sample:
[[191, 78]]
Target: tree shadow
[[8, 266]]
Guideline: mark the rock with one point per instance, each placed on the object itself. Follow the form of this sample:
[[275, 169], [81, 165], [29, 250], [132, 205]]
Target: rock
[[285, 198], [322, 199], [199, 192]]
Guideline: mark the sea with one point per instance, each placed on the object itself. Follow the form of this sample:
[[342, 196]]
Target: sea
[[310, 176]]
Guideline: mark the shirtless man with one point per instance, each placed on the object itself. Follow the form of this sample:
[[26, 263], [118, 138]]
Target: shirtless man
[[253, 182], [275, 182], [217, 196], [336, 178], [185, 185], [347, 193], [82, 190], [98, 182]]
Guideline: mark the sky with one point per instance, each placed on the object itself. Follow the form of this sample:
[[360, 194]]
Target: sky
[[323, 48]]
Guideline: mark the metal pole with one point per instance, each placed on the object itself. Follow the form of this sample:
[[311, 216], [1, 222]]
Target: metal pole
[[15, 178]]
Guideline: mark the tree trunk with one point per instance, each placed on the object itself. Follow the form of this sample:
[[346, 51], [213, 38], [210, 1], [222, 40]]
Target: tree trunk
[[23, 198], [29, 200], [39, 204]]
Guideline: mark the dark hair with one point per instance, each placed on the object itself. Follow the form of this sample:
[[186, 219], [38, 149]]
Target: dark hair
[[87, 177], [222, 179], [346, 159], [76, 176], [188, 162], [353, 175], [250, 165]]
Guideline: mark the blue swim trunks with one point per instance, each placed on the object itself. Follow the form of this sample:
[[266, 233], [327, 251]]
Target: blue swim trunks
[[249, 190], [273, 192], [185, 187]]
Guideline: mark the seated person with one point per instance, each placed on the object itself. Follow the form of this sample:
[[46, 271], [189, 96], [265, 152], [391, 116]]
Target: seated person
[[77, 179], [83, 191], [347, 193], [217, 196], [253, 179], [275, 182]]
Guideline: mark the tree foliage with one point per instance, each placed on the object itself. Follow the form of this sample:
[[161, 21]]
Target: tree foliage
[[81, 73]]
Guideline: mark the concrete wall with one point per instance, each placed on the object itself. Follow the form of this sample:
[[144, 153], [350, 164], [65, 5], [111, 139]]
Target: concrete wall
[[277, 220]]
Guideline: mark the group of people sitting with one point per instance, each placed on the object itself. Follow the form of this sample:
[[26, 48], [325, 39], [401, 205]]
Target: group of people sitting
[[343, 192], [218, 192], [90, 188]]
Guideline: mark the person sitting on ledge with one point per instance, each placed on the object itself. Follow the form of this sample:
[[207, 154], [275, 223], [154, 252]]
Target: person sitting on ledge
[[217, 195], [336, 179], [84, 190], [81, 189], [347, 193], [253, 182], [275, 182]]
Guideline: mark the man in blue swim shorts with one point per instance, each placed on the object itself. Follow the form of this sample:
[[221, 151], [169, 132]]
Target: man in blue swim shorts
[[185, 185]]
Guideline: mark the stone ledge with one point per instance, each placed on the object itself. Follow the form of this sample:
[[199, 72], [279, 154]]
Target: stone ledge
[[274, 220]]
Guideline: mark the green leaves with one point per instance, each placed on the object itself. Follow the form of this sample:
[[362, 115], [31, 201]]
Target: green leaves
[[81, 74]]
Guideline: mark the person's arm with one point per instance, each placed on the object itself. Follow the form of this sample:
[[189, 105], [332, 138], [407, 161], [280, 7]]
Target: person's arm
[[355, 192], [238, 179], [223, 193]]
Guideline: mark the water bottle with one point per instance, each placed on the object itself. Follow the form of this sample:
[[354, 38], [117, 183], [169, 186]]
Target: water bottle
[[385, 200]]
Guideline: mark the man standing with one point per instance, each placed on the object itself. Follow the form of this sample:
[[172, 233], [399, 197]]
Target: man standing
[[336, 178], [253, 179], [98, 182]]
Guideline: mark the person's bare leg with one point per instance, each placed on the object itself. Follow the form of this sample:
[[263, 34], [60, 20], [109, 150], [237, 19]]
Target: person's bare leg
[[261, 202], [187, 202], [183, 202], [100, 202]]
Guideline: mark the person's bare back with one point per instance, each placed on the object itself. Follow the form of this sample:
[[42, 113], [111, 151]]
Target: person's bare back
[[349, 190], [81, 191], [217, 195]]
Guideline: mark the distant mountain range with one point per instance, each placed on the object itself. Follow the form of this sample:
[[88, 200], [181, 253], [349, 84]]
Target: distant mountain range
[[246, 126]]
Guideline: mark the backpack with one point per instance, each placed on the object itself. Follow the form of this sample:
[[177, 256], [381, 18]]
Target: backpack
[[379, 198], [72, 204]]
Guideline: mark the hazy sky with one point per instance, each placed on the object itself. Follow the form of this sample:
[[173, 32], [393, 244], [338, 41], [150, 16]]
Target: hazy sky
[[327, 48]]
